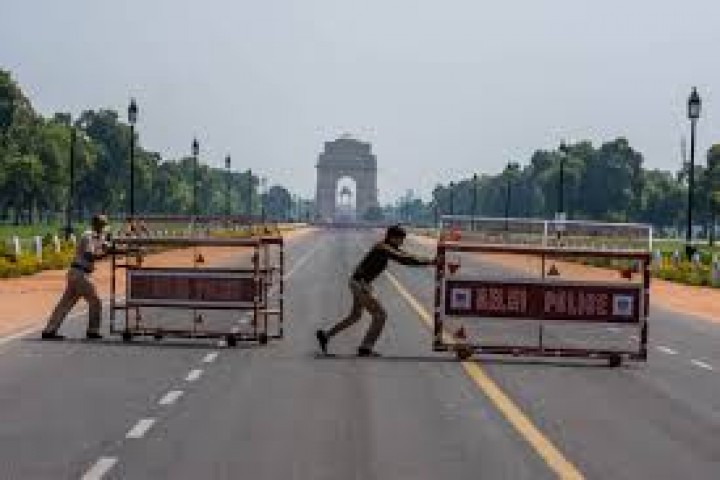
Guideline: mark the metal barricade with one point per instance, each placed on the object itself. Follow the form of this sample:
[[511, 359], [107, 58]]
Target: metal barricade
[[533, 288], [242, 301]]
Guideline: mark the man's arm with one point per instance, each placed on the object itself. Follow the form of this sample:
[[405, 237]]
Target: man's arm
[[405, 258]]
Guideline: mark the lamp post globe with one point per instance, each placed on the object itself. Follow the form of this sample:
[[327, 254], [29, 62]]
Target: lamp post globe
[[694, 105]]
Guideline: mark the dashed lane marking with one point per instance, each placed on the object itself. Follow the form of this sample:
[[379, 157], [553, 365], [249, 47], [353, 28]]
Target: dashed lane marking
[[512, 413], [667, 350], [140, 428], [194, 375], [210, 357], [701, 364], [171, 397], [100, 468]]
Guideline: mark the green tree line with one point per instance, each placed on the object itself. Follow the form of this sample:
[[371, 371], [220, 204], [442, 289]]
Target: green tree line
[[607, 183], [35, 170]]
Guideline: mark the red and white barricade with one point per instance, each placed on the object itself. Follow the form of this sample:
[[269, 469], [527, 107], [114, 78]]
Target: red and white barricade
[[180, 294], [543, 288]]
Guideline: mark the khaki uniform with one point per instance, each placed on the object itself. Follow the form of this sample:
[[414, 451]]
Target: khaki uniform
[[363, 298], [79, 285], [371, 266]]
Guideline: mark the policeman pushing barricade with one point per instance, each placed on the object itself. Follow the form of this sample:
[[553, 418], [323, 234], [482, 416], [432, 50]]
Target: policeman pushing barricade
[[92, 246], [371, 266]]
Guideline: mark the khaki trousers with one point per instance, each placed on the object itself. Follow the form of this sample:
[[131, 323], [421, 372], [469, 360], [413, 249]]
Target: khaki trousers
[[363, 298], [78, 286]]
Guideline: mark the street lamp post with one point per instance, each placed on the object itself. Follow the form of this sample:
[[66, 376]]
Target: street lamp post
[[71, 189], [132, 118], [474, 200], [227, 187], [561, 182], [452, 198], [249, 205], [263, 183], [195, 154], [694, 105], [511, 168]]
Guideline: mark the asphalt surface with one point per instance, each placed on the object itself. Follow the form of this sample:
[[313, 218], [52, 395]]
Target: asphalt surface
[[197, 410]]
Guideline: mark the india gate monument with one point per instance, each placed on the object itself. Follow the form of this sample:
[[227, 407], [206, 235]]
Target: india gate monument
[[345, 158]]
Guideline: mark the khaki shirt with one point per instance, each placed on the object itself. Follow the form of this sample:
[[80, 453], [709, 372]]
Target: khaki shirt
[[88, 247]]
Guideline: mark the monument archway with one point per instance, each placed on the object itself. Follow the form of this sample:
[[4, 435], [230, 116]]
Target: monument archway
[[345, 157]]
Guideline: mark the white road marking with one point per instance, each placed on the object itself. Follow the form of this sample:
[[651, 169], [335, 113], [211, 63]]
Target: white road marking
[[634, 337], [667, 350], [613, 329], [701, 364], [210, 357], [303, 259], [171, 397], [101, 467], [193, 375], [20, 334], [235, 329], [140, 428]]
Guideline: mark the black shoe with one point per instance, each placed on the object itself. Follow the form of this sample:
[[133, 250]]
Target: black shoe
[[367, 352], [322, 340], [93, 336], [52, 336]]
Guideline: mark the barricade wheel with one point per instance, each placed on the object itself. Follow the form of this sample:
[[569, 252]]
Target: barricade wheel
[[263, 339], [158, 336], [463, 353], [614, 361], [231, 340], [127, 336]]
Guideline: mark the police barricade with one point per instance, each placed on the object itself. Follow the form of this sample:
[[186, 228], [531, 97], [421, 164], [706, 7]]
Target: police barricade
[[543, 288], [171, 290]]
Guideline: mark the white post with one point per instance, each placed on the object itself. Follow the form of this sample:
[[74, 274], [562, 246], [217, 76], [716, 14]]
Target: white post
[[696, 259], [73, 239], [657, 259], [16, 247], [38, 247], [56, 243]]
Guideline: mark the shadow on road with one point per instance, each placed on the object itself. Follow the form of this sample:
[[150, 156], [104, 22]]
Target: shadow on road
[[200, 344], [538, 362]]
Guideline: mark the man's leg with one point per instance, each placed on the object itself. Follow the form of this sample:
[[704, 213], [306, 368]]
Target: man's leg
[[352, 318], [89, 293], [355, 312], [69, 297], [376, 325]]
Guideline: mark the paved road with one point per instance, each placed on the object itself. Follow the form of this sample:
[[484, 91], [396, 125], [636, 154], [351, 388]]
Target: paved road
[[199, 411]]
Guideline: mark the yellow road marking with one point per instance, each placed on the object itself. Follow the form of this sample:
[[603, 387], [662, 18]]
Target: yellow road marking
[[512, 413]]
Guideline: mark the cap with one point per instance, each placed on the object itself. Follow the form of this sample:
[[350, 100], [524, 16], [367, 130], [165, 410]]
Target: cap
[[395, 231], [100, 219]]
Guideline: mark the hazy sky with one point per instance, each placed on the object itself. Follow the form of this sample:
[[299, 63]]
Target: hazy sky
[[442, 88]]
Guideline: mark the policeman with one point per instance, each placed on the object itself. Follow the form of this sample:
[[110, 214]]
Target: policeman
[[371, 266], [91, 246]]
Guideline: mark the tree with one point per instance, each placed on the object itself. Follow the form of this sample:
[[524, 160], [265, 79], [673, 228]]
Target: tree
[[277, 203], [712, 181]]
